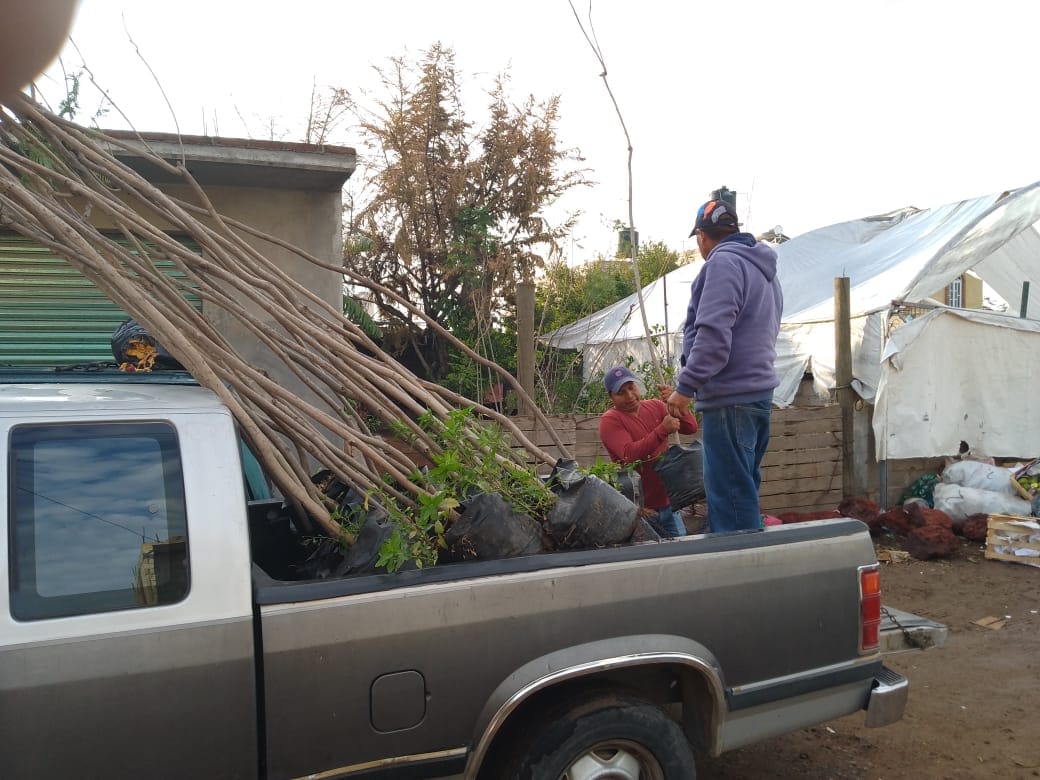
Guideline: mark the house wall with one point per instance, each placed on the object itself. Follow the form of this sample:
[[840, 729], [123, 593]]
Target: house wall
[[308, 220], [971, 292]]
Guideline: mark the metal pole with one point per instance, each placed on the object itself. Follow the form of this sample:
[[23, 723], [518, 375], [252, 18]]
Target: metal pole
[[883, 479], [1025, 300]]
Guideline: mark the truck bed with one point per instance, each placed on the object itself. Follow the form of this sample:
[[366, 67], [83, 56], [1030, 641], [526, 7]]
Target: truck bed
[[772, 613]]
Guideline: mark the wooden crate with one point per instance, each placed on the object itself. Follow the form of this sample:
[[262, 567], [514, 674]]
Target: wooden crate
[[1013, 538]]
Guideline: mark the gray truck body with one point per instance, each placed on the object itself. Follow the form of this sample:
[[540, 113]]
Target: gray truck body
[[230, 673]]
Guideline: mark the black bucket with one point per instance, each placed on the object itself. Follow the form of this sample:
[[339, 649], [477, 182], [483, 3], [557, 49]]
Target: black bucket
[[489, 528], [329, 558], [591, 513], [645, 531], [631, 486], [681, 469], [565, 475], [363, 555]]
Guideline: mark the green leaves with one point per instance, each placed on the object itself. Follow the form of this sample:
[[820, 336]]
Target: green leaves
[[392, 554], [356, 313], [607, 470], [474, 456]]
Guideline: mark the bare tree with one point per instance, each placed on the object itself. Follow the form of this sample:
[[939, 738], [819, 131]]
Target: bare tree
[[458, 214]]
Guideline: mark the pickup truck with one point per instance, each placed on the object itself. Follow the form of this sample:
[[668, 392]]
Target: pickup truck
[[140, 638]]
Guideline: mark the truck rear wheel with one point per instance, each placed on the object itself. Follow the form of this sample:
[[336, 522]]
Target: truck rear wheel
[[614, 737]]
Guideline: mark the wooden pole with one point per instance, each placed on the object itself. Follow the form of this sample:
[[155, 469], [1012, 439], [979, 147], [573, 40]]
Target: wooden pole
[[525, 343], [843, 380]]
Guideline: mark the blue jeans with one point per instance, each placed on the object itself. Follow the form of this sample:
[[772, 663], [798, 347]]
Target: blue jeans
[[735, 439], [668, 521]]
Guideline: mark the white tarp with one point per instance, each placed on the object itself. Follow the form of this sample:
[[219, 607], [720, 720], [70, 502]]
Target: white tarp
[[614, 333], [956, 375], [907, 254]]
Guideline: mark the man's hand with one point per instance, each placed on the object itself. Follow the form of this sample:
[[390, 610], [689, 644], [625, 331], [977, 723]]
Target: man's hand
[[678, 404], [663, 391], [670, 424]]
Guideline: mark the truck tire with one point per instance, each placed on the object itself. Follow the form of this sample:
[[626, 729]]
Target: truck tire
[[619, 737]]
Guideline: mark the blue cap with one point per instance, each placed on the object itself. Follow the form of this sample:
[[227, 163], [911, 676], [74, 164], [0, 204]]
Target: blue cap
[[616, 377]]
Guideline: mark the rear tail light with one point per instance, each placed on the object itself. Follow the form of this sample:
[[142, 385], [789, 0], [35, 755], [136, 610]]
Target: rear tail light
[[870, 608]]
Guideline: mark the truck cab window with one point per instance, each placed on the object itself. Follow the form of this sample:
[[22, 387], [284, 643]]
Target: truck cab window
[[98, 519]]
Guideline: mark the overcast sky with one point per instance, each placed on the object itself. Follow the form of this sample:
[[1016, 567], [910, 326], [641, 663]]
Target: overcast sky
[[814, 111]]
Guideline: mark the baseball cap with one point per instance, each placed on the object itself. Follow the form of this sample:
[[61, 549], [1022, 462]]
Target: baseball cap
[[716, 214], [616, 377]]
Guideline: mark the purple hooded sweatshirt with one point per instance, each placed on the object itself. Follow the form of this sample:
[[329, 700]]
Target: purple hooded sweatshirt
[[729, 339]]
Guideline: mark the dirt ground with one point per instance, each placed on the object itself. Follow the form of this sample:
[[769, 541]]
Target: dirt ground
[[974, 705]]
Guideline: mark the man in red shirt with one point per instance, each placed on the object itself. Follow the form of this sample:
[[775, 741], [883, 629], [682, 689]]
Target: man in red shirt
[[635, 432]]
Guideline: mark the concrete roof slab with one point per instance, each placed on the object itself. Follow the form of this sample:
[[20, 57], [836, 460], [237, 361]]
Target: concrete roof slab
[[239, 162]]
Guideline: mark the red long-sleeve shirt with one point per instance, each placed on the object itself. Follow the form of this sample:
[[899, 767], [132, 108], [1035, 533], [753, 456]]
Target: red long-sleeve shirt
[[640, 437]]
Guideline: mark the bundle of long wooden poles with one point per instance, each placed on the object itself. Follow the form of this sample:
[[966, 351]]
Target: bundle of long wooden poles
[[54, 175]]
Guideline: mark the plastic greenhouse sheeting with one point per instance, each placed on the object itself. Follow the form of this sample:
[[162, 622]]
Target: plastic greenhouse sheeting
[[904, 255], [956, 375]]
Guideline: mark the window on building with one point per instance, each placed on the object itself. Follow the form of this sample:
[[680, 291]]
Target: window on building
[[955, 293], [98, 519]]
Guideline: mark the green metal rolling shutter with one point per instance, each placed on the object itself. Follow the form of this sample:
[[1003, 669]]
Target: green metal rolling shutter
[[50, 315]]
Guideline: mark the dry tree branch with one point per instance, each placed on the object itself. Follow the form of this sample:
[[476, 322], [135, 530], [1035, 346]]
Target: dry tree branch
[[633, 253], [331, 356], [155, 78]]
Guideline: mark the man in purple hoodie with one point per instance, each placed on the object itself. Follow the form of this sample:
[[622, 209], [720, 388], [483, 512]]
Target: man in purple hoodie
[[729, 345]]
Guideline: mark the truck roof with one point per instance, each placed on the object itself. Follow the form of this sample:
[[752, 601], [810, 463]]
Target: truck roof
[[42, 389]]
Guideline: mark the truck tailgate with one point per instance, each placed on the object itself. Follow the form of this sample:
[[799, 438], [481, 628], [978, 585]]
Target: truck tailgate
[[902, 631]]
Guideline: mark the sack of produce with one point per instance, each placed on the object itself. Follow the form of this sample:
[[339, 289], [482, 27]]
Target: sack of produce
[[983, 476], [959, 502]]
